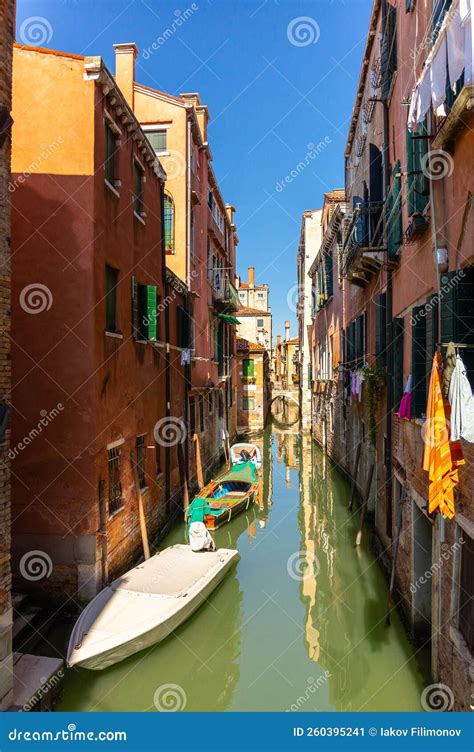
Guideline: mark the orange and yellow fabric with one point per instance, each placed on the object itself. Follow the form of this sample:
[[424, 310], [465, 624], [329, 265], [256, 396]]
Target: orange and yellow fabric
[[441, 458]]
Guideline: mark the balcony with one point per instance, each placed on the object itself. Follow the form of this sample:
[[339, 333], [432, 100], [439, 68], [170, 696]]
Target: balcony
[[225, 295], [459, 117], [363, 247]]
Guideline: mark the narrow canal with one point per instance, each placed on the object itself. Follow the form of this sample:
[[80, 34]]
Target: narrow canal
[[299, 624]]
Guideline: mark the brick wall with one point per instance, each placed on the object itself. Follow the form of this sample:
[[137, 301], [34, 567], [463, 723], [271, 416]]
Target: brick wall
[[7, 15]]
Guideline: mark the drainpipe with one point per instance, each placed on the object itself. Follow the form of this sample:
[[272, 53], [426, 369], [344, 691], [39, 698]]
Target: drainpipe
[[167, 348]]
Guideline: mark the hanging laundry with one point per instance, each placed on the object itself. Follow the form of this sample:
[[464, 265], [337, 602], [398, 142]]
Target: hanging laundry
[[455, 41], [404, 411], [441, 458], [185, 357], [449, 366], [462, 404], [438, 73]]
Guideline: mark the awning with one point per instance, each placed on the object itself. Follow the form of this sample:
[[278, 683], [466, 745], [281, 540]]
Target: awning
[[227, 317]]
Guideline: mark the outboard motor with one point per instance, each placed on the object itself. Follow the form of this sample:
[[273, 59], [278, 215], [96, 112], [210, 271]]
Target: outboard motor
[[200, 538]]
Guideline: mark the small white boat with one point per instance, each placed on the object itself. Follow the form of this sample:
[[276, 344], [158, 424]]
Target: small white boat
[[146, 604], [245, 452]]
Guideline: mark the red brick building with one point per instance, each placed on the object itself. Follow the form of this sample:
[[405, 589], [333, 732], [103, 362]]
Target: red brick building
[[99, 328], [405, 289]]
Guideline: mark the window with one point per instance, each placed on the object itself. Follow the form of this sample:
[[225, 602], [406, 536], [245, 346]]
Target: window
[[380, 329], [158, 140], [457, 313], [398, 331], [144, 311], [211, 401], [440, 8], [169, 223], [260, 295], [247, 368], [260, 323], [328, 276], [418, 190], [111, 282], [394, 213], [140, 455], [249, 403], [418, 361], [183, 327], [115, 484], [110, 151], [466, 592], [388, 58], [137, 188]]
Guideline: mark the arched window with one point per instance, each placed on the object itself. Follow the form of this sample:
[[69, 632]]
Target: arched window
[[169, 224]]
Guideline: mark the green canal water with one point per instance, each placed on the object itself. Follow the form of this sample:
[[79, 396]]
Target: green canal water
[[299, 624]]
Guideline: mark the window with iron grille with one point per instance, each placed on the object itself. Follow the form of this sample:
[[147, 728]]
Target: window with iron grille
[[211, 401], [248, 403], [115, 483], [110, 151], [140, 455]]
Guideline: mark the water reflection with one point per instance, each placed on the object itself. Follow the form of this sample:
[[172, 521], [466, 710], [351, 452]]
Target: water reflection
[[271, 638]]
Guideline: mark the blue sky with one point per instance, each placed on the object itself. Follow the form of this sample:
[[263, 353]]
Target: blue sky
[[274, 85]]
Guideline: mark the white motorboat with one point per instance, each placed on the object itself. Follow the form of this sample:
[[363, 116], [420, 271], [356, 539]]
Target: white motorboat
[[146, 604], [246, 452]]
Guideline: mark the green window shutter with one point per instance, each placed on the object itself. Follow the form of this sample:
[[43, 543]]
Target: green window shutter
[[134, 292], [350, 342], [151, 311], [457, 313], [380, 328], [169, 224], [418, 360], [417, 181], [248, 368], [328, 267], [388, 58], [432, 308], [394, 213], [410, 172], [398, 332]]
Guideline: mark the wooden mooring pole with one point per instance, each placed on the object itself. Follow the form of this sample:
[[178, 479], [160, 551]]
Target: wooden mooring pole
[[354, 475]]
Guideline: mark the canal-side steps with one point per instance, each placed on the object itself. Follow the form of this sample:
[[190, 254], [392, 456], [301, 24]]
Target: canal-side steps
[[36, 678]]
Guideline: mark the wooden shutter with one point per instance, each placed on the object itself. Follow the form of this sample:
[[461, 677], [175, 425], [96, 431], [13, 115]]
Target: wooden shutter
[[457, 313], [388, 58], [417, 181], [359, 337], [394, 213], [134, 293], [350, 340], [418, 360], [380, 328], [248, 368], [151, 312], [398, 332], [328, 269]]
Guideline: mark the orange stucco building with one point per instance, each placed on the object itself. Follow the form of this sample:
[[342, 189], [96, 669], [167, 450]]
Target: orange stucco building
[[99, 328], [201, 243]]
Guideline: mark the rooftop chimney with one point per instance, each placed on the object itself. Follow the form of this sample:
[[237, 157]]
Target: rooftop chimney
[[251, 277], [278, 339], [287, 331], [125, 55]]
